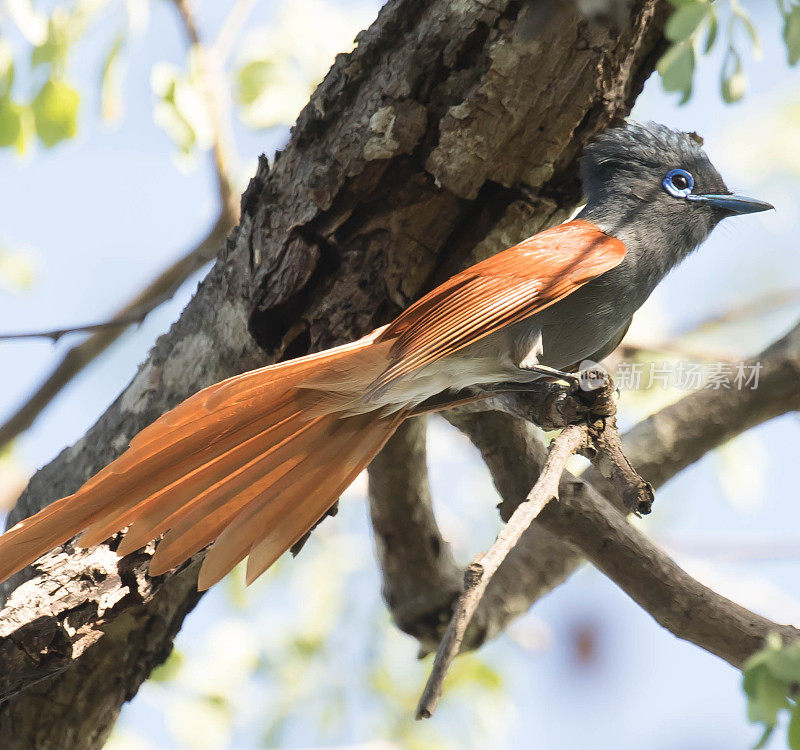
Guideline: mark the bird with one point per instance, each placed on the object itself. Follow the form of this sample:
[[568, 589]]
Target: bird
[[246, 467]]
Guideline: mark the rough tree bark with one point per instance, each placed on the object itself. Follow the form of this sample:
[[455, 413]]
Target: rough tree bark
[[452, 131]]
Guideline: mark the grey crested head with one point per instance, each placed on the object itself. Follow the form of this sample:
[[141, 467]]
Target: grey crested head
[[650, 185]]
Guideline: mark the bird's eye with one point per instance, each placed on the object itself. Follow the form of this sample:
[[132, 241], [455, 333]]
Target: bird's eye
[[678, 182]]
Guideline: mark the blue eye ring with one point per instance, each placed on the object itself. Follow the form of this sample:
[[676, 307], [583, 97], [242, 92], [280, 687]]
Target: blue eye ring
[[681, 187]]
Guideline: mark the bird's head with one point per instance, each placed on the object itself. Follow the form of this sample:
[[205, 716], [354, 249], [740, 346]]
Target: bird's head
[[643, 180]]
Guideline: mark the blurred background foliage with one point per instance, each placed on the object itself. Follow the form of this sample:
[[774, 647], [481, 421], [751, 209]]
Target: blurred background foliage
[[696, 27], [307, 655]]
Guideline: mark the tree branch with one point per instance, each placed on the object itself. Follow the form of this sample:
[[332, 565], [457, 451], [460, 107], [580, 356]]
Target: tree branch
[[586, 520], [420, 576], [481, 570], [231, 27], [658, 448], [79, 356], [403, 165], [56, 334], [678, 435], [166, 284], [212, 84]]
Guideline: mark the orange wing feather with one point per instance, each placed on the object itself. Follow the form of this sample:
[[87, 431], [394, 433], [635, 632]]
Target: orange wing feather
[[251, 463], [497, 292]]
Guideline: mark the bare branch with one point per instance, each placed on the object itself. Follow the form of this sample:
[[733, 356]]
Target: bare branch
[[212, 84], [610, 459], [650, 577], [480, 572], [56, 334], [231, 27], [680, 434], [164, 286], [678, 346], [585, 520], [744, 311]]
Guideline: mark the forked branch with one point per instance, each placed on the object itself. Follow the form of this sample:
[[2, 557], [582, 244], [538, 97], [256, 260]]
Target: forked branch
[[480, 572]]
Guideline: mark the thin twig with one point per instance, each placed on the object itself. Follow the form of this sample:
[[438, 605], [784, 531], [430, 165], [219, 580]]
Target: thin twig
[[57, 334], [480, 572], [610, 459], [756, 306], [676, 345], [164, 286], [212, 84], [79, 356], [231, 27]]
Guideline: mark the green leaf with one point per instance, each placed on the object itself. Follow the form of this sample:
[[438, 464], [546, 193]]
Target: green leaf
[[167, 671], [767, 695], [764, 738], [111, 82], [676, 68], [56, 46], [733, 83], [12, 131], [793, 733], [253, 80], [181, 109], [784, 663], [711, 35], [685, 20], [55, 112], [6, 68], [751, 30], [791, 34]]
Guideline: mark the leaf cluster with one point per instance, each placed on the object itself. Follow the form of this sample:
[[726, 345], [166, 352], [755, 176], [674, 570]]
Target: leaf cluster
[[772, 683], [697, 27]]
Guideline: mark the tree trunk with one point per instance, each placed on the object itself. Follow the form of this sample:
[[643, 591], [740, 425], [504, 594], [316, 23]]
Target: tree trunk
[[451, 132]]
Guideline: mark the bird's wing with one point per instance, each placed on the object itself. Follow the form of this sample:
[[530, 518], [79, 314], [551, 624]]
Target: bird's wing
[[497, 292]]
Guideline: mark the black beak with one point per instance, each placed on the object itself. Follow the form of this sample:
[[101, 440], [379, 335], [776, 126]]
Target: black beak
[[735, 204]]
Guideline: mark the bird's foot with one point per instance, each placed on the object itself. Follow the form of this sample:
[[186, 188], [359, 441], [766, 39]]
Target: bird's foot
[[590, 390], [595, 391]]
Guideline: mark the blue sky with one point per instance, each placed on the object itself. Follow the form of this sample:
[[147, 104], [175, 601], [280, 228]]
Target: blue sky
[[102, 215]]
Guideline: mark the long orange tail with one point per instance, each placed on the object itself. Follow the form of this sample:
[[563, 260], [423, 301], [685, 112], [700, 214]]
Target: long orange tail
[[250, 464]]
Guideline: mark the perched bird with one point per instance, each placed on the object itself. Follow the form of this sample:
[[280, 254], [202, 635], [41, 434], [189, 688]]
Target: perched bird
[[250, 464]]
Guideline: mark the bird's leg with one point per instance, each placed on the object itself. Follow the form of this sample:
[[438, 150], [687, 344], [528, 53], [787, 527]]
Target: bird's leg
[[590, 388], [590, 378], [572, 378], [530, 366], [531, 386]]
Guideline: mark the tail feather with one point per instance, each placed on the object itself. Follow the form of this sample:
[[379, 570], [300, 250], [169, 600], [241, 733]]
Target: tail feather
[[290, 528], [297, 505], [185, 504], [144, 500], [243, 390], [249, 464], [203, 524]]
